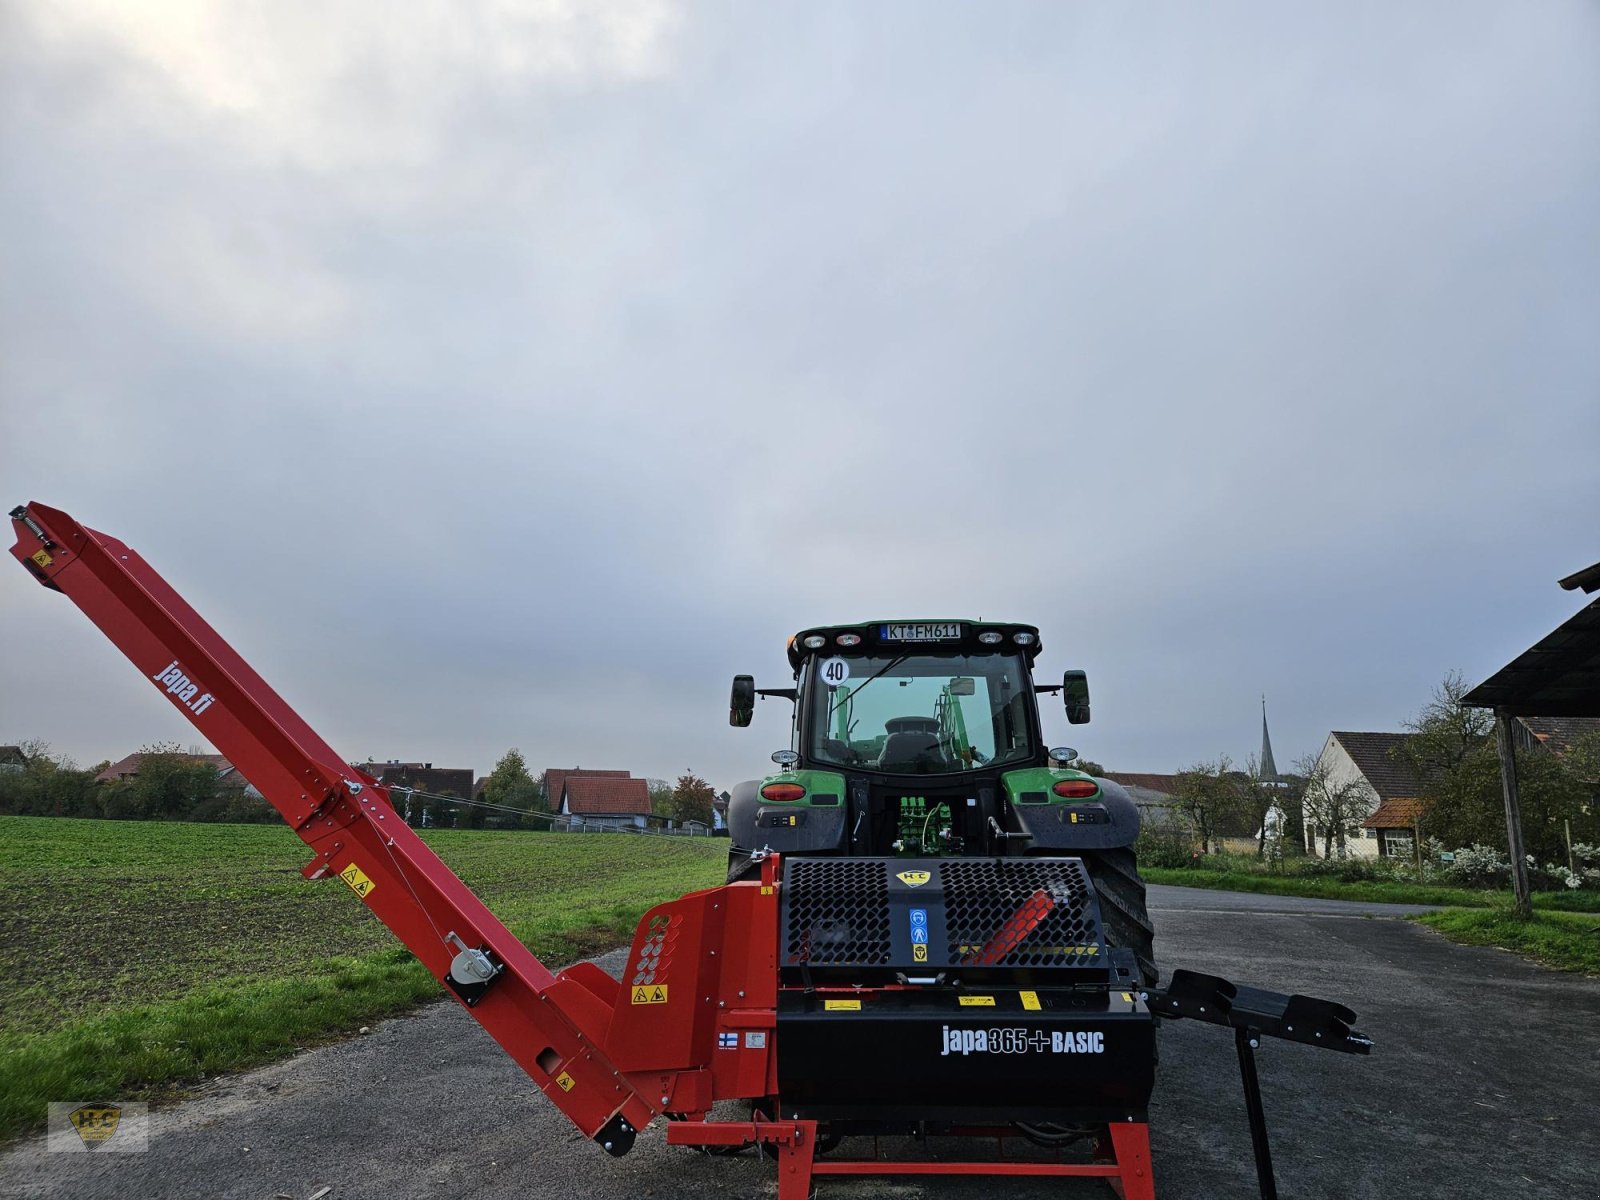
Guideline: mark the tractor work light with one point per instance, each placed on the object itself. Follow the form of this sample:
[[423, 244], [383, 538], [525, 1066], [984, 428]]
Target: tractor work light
[[847, 639], [783, 792], [1024, 638], [990, 637], [1075, 789], [815, 642]]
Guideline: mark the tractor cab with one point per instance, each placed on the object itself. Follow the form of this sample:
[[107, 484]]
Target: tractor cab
[[915, 698], [923, 739]]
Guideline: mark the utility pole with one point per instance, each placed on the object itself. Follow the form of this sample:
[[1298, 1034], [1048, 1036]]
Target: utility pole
[[1506, 745]]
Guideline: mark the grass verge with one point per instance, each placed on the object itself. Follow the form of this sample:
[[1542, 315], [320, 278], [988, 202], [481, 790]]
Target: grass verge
[[1564, 940], [161, 954], [1368, 891]]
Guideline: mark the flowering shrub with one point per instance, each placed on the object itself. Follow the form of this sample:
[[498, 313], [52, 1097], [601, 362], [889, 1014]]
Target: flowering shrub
[[1480, 867], [1487, 867], [1565, 876]]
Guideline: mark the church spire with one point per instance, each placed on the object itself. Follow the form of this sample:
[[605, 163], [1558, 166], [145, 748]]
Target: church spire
[[1269, 769]]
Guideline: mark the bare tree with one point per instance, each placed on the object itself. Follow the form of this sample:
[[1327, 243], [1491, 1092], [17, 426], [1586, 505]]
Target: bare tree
[[1207, 797], [1333, 803]]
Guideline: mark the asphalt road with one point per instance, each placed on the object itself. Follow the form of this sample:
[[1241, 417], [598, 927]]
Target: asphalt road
[[1483, 1084]]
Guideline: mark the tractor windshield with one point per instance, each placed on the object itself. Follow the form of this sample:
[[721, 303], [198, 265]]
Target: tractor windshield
[[918, 714]]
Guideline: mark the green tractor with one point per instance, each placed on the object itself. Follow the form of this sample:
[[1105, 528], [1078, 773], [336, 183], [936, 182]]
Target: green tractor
[[922, 739]]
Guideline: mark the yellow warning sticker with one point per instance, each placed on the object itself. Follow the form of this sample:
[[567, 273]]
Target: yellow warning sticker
[[977, 1001], [358, 881], [914, 878], [842, 1005], [1128, 996], [765, 890], [42, 557], [564, 1082], [1030, 1001], [655, 993], [919, 953]]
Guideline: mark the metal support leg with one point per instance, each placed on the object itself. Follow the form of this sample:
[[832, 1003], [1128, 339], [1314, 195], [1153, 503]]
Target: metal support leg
[[1131, 1143], [795, 1159], [1246, 1040]]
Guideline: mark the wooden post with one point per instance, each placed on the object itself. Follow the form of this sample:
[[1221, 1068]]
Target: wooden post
[[1506, 745]]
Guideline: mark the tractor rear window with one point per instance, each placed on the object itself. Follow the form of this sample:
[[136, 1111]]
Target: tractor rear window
[[918, 714]]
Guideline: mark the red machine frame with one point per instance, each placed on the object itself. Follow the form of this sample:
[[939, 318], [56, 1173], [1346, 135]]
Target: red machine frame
[[693, 1020]]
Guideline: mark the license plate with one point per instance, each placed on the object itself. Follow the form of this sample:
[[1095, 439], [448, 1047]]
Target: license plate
[[946, 631]]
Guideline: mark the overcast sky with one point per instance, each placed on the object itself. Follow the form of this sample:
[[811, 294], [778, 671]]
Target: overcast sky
[[512, 374]]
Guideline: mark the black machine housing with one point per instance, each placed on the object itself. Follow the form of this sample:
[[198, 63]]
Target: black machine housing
[[979, 987]]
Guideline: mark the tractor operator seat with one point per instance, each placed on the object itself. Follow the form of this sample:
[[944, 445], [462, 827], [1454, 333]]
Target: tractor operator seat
[[912, 742]]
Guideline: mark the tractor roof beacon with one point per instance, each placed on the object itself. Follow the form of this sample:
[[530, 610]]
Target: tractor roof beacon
[[923, 739], [922, 887]]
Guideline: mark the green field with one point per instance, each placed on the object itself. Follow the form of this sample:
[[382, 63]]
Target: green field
[[143, 956], [1566, 940]]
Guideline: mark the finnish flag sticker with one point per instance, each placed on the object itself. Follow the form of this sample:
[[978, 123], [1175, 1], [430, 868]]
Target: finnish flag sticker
[[727, 1041]]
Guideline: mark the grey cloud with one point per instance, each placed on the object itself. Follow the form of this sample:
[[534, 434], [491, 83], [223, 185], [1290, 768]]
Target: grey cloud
[[491, 395]]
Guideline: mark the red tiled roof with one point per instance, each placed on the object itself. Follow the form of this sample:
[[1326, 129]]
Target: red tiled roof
[[1399, 813], [1557, 734], [554, 777], [1165, 784], [605, 795], [125, 767]]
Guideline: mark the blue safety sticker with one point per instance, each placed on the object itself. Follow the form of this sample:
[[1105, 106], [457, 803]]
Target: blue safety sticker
[[919, 927]]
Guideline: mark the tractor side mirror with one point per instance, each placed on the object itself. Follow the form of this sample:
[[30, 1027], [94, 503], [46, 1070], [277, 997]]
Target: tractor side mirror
[[1075, 694], [742, 705]]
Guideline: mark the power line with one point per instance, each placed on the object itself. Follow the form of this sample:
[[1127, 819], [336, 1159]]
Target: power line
[[553, 818]]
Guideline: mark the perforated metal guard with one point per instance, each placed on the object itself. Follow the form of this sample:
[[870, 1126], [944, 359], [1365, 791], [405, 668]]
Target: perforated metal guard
[[837, 912], [1019, 912], [978, 915]]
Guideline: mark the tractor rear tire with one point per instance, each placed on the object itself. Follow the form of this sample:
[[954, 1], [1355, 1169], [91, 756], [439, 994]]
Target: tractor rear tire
[[1126, 920]]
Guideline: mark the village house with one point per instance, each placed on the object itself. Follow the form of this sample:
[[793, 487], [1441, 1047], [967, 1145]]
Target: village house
[[456, 782], [228, 775], [1155, 794], [1372, 766], [591, 799], [1392, 819]]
